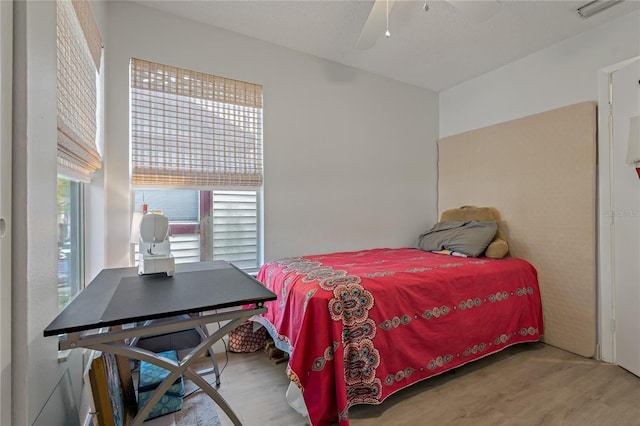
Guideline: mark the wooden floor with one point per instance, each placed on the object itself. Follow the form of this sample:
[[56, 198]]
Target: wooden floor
[[528, 384]]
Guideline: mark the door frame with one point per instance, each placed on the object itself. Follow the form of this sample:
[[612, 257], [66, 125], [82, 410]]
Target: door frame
[[605, 280], [6, 87]]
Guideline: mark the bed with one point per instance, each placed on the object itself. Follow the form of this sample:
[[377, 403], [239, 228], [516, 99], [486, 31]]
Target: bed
[[360, 326], [401, 316]]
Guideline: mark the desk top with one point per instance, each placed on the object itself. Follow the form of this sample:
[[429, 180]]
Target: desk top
[[121, 296]]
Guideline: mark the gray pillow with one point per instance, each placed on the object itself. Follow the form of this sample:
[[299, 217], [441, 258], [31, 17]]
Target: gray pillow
[[471, 238]]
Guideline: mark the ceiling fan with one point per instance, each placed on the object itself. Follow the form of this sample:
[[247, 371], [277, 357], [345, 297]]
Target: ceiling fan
[[378, 21]]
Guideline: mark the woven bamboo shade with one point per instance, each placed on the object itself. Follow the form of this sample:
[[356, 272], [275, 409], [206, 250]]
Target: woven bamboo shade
[[89, 28], [194, 129], [77, 88]]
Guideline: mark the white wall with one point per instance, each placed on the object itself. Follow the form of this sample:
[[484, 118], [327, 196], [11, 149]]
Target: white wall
[[563, 74], [35, 369], [6, 40], [350, 157], [94, 195]]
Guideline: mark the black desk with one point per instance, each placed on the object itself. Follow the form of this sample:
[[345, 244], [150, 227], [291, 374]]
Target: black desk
[[121, 296]]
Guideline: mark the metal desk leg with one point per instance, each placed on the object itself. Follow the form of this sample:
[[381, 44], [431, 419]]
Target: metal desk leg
[[176, 369], [109, 342], [203, 333], [134, 340]]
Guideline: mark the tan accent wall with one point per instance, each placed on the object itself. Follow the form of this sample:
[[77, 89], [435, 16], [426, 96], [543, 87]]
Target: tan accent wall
[[539, 172]]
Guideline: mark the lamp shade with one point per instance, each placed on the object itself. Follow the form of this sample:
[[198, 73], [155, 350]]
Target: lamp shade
[[633, 152]]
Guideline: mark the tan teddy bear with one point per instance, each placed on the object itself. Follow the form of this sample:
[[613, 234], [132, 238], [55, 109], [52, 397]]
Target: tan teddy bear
[[498, 248]]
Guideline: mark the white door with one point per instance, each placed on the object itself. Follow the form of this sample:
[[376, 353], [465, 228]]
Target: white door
[[6, 31], [626, 220]]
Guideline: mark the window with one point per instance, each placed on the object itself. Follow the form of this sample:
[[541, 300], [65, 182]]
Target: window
[[79, 51], [196, 156], [209, 225], [70, 241]]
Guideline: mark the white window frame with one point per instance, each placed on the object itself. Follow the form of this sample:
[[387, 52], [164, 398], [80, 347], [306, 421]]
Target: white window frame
[[79, 247]]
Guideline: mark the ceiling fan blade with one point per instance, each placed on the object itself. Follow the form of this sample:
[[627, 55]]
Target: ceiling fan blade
[[376, 24], [479, 11]]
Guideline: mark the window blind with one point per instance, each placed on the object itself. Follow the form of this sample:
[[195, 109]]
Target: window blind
[[79, 48], [193, 129]]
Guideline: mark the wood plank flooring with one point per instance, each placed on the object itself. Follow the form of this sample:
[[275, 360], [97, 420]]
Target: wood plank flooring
[[525, 385]]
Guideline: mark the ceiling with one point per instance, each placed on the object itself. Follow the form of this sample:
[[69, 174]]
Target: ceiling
[[436, 50]]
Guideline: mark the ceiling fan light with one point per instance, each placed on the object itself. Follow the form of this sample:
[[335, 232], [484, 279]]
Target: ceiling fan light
[[596, 6]]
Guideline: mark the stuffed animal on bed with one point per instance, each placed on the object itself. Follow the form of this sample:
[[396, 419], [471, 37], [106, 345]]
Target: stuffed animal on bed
[[498, 248]]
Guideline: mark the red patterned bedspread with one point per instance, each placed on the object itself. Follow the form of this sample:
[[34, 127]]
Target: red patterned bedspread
[[360, 326]]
